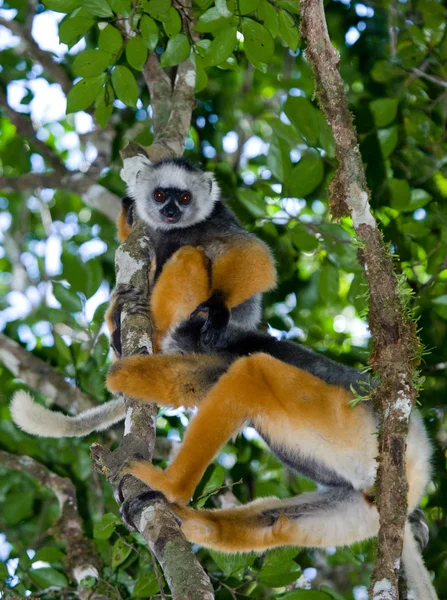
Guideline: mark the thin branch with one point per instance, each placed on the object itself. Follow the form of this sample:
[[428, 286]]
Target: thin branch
[[24, 127], [396, 347], [84, 184], [32, 50], [431, 78], [82, 558], [41, 376]]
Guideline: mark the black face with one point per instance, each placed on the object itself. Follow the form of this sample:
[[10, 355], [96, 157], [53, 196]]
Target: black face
[[172, 202]]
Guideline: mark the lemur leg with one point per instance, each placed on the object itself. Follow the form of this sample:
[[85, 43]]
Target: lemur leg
[[283, 402], [168, 380], [183, 284], [336, 517]]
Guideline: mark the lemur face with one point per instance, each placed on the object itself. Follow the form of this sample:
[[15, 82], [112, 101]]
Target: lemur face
[[173, 194]]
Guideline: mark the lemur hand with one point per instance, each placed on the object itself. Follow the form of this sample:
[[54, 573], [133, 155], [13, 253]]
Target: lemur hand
[[217, 321]]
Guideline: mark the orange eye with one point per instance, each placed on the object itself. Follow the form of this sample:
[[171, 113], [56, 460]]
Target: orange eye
[[185, 198], [159, 196]]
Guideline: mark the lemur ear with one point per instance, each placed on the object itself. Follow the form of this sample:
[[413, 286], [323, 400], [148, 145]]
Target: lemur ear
[[132, 169], [214, 189]]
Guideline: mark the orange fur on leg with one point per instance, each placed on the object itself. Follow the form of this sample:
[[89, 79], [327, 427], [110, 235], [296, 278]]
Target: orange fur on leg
[[277, 398]]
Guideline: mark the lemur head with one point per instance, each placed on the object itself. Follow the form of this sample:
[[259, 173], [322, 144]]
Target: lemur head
[[170, 194]]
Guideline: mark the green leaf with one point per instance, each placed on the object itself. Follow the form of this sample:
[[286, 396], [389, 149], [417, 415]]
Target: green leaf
[[388, 139], [419, 198], [222, 8], [125, 86], [146, 586], [267, 13], [442, 300], [384, 110], [258, 42], [120, 552], [149, 31], [306, 176], [65, 6], [99, 8], [400, 193], [48, 577], [63, 352], [48, 554], [331, 593], [72, 29], [232, 564], [105, 527], [84, 93], [303, 240], [110, 40], [121, 7], [248, 6], [68, 298], [17, 507], [306, 595], [383, 71], [157, 8], [211, 21], [173, 24], [201, 76], [103, 112], [221, 47], [288, 30], [304, 117], [177, 51], [252, 202], [90, 63], [280, 574], [136, 53], [212, 485], [329, 283]]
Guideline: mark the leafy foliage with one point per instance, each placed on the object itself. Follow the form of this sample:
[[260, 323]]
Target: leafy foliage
[[257, 126]]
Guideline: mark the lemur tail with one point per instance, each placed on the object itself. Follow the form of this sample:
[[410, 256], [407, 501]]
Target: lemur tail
[[38, 420], [416, 574]]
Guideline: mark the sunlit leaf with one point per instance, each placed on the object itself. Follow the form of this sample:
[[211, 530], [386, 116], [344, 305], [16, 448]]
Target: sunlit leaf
[[125, 86]]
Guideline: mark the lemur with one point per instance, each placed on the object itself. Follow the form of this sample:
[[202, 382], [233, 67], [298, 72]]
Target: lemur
[[180, 205], [299, 403]]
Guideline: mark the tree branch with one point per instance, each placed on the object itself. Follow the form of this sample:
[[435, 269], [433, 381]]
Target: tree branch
[[82, 558], [41, 376], [24, 127], [184, 574], [31, 49], [395, 345], [85, 184]]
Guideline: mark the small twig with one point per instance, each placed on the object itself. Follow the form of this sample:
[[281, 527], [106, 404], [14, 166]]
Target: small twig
[[226, 486]]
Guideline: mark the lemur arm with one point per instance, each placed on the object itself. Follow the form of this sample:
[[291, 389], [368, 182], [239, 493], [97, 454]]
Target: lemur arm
[[244, 269], [182, 285]]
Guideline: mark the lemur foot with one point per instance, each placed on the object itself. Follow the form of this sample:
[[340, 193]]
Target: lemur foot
[[131, 507], [156, 479]]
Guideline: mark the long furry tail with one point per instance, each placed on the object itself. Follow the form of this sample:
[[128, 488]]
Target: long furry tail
[[38, 420], [417, 576]]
